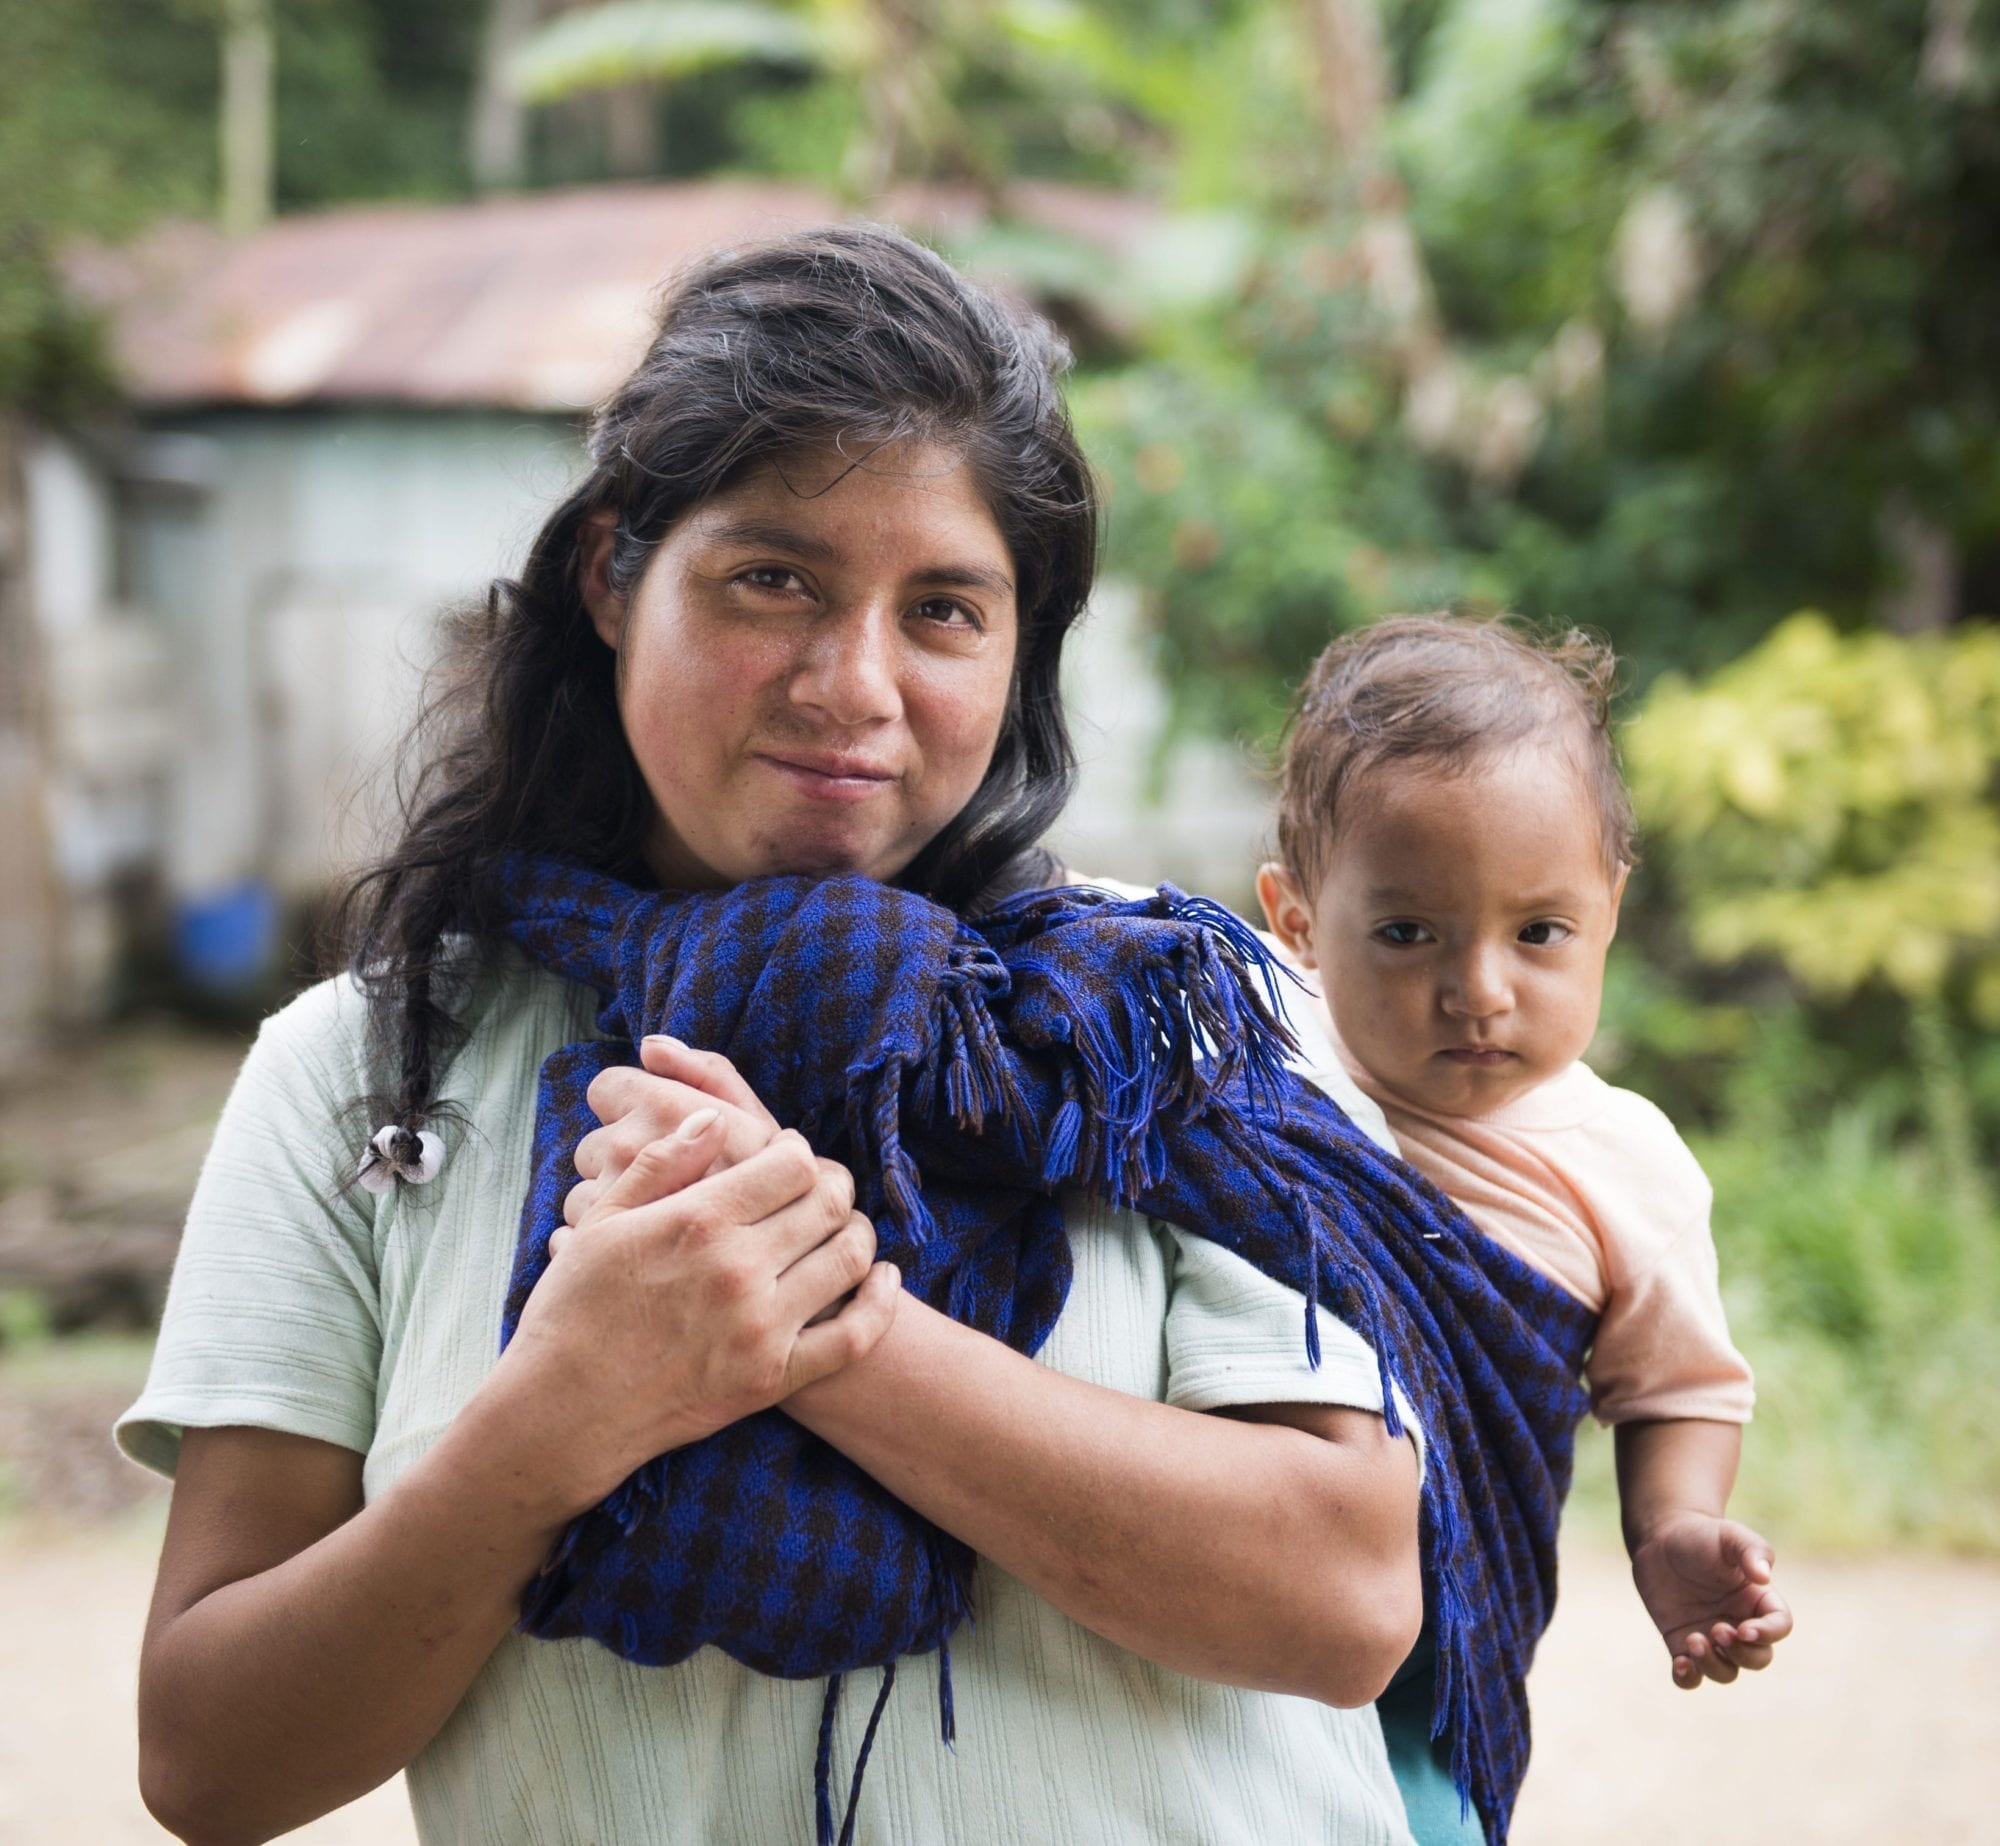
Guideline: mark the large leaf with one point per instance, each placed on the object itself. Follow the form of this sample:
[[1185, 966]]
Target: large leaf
[[637, 40]]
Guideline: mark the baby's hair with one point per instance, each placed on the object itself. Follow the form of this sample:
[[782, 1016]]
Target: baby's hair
[[1444, 693]]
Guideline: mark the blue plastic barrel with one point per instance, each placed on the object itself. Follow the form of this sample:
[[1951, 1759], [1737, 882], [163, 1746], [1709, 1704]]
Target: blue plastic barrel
[[227, 940]]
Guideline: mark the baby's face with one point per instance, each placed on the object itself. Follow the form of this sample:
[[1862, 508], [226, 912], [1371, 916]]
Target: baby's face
[[1460, 928]]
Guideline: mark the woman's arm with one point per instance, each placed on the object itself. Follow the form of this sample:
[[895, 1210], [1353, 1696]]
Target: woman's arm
[[1274, 1547], [303, 1647], [300, 1650]]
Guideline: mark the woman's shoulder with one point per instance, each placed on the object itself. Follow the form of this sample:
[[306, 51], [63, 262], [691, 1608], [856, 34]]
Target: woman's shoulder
[[323, 1030]]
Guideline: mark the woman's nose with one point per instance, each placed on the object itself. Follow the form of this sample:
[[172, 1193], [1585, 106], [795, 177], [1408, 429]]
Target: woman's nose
[[1477, 986], [849, 665]]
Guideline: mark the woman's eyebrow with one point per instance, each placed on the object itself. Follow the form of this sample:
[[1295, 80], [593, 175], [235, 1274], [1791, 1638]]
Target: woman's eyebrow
[[778, 538], [967, 577], [799, 544]]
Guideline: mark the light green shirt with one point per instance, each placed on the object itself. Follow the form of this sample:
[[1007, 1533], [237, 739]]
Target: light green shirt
[[367, 1321]]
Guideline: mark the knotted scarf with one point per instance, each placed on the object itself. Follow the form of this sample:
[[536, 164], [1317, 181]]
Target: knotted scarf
[[968, 1073]]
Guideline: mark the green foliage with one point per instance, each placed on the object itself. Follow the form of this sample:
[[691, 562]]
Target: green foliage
[[1743, 258], [93, 98], [1257, 536], [1871, 1299], [371, 98], [661, 39], [24, 1318], [1834, 802]]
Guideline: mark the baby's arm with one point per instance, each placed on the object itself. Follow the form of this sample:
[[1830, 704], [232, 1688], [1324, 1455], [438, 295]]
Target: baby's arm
[[1705, 1579]]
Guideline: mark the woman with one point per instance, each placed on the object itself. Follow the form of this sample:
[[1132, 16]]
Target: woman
[[804, 616]]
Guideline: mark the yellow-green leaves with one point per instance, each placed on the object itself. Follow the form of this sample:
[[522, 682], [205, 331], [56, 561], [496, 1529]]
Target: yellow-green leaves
[[1834, 800]]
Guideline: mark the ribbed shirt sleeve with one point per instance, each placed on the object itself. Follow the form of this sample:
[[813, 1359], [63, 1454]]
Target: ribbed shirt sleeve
[[272, 1314], [1235, 1337]]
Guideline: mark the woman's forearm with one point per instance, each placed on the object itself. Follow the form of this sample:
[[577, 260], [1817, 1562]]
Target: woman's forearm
[[1248, 1552], [280, 1694]]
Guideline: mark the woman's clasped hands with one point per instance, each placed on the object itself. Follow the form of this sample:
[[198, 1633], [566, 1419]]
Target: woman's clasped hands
[[710, 1265]]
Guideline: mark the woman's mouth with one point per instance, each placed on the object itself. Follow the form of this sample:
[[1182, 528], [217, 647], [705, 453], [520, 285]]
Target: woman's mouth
[[832, 778]]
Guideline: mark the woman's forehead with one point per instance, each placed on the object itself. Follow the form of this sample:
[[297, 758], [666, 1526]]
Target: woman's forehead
[[834, 501]]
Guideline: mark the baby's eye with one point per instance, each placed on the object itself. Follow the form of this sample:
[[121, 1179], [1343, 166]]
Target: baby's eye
[[1402, 933], [1545, 934]]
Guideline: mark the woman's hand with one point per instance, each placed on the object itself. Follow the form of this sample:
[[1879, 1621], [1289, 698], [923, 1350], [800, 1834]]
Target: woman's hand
[[636, 1107], [682, 1298]]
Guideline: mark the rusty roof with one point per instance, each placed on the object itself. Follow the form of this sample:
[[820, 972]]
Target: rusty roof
[[538, 301]]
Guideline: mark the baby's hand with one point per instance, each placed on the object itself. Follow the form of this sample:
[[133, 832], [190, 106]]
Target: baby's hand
[[1706, 1582]]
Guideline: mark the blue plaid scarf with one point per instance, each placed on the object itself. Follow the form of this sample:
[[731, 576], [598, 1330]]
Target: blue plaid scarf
[[968, 1073]]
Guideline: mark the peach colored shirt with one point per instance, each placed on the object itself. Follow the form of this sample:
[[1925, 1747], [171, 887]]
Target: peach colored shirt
[[1592, 1186]]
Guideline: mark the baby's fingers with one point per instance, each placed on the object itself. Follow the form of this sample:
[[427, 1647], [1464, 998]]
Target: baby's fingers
[[1771, 1624], [1711, 1660], [1749, 1553]]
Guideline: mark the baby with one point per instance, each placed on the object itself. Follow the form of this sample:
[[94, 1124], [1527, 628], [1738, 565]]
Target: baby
[[1455, 839]]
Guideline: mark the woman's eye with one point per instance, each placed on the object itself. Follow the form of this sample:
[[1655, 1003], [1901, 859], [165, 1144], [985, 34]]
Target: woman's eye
[[946, 612], [1402, 935], [772, 577], [1545, 935]]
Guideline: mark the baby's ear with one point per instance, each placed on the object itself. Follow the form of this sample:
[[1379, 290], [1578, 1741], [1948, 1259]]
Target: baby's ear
[[1287, 912], [1618, 879]]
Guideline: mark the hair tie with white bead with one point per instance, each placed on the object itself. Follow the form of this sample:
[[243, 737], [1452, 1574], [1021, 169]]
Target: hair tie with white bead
[[396, 1153]]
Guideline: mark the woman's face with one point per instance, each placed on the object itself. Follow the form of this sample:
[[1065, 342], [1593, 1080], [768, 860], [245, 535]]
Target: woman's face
[[814, 668]]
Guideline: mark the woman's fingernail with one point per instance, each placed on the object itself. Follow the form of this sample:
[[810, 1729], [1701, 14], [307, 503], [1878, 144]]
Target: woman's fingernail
[[665, 1041], [697, 1124], [895, 1275]]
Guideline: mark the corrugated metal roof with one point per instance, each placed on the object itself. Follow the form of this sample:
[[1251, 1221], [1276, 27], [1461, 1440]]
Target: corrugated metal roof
[[538, 301]]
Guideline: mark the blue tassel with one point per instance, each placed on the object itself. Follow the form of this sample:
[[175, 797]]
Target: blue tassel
[[867, 1746], [1312, 1318], [823, 1765], [947, 1711], [1065, 1137]]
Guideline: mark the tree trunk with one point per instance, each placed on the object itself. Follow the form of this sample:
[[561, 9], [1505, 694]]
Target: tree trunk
[[632, 131], [1353, 80], [28, 926], [497, 130], [248, 130]]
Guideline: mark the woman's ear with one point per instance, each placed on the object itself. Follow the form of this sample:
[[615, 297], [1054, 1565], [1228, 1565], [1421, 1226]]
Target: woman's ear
[[1287, 912], [594, 538]]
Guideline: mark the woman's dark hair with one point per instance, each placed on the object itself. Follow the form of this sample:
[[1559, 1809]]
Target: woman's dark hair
[[850, 335]]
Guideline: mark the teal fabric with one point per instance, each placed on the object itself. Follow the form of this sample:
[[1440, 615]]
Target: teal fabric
[[1423, 1768], [1429, 1800]]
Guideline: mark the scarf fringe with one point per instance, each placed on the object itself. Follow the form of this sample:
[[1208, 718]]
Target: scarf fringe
[[823, 1829]]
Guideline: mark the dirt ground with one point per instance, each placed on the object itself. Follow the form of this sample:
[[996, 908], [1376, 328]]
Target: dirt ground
[[1873, 1726]]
